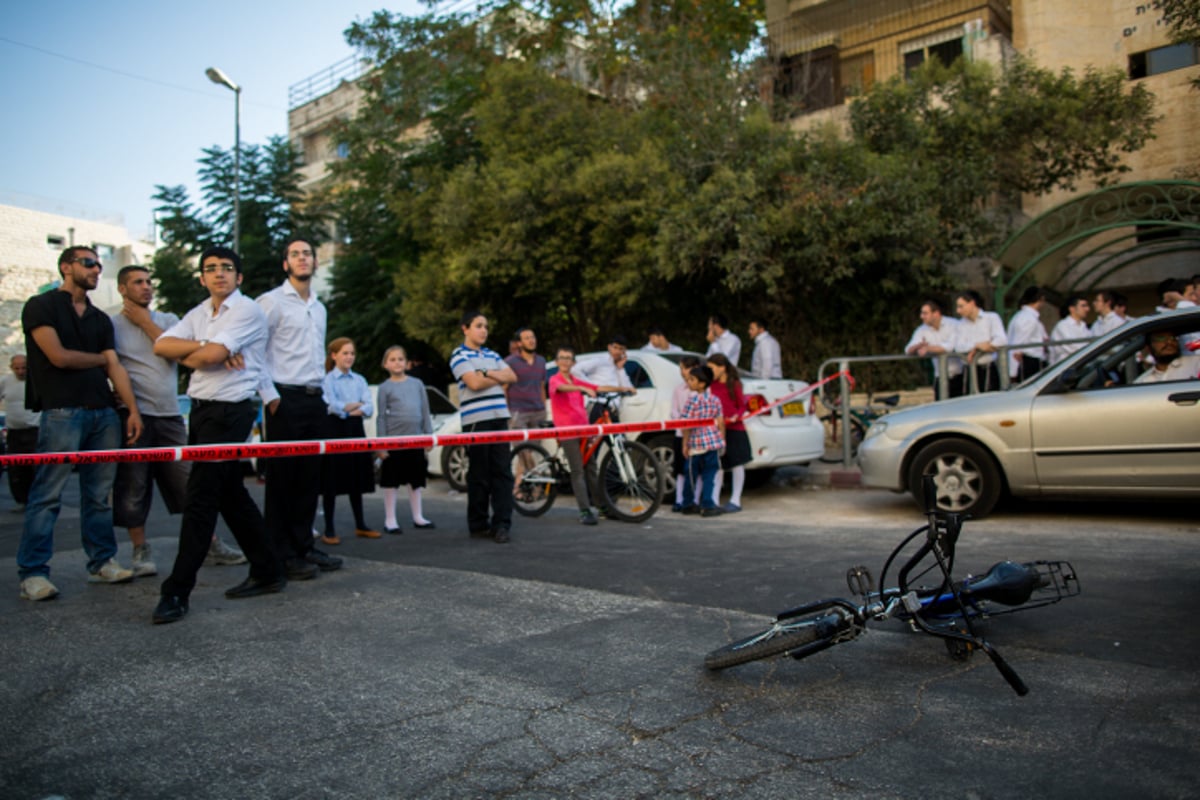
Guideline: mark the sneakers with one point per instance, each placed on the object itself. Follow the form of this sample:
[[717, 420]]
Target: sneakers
[[222, 555], [37, 587], [587, 518], [142, 565], [111, 572]]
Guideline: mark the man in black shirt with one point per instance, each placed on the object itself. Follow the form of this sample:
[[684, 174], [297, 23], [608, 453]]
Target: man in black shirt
[[71, 359]]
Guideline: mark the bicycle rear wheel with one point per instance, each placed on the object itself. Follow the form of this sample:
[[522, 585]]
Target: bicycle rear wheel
[[782, 637], [535, 490], [631, 482]]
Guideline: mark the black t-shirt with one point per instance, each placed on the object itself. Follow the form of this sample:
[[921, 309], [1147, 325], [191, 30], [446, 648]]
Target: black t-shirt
[[49, 386]]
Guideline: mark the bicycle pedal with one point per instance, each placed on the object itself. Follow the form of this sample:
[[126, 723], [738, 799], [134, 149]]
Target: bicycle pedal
[[860, 581]]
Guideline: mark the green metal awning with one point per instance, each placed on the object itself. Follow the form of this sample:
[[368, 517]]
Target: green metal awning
[[1099, 234]]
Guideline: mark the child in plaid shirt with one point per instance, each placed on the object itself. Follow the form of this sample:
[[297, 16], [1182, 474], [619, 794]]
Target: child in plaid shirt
[[702, 446]]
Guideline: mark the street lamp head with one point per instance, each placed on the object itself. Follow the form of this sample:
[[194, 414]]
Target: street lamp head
[[216, 76]]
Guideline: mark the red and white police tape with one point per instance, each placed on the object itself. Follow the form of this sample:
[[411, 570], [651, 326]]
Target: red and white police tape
[[230, 452]]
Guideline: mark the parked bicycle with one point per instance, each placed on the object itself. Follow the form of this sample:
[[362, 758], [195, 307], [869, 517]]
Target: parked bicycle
[[861, 418], [628, 484], [949, 609]]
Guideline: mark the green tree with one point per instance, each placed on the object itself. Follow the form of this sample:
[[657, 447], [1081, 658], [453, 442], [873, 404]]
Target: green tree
[[273, 208], [1183, 17], [986, 136], [652, 186]]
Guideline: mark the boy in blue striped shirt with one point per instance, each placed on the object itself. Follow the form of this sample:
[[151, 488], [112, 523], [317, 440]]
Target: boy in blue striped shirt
[[482, 376]]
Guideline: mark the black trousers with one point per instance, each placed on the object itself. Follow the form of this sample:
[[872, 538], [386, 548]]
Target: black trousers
[[489, 480], [986, 375], [293, 483], [218, 487], [1029, 366], [20, 477]]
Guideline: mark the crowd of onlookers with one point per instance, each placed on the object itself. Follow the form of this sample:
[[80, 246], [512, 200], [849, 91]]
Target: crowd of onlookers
[[976, 345], [96, 380]]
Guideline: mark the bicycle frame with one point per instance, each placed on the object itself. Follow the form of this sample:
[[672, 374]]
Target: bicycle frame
[[948, 611]]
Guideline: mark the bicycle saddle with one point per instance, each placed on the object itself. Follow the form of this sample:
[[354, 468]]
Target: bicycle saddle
[[1007, 583], [888, 400]]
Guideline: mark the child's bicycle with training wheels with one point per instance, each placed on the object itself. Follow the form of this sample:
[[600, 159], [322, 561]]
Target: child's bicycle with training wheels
[[628, 484], [944, 607]]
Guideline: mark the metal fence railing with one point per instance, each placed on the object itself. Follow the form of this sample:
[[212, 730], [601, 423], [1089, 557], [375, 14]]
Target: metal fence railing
[[844, 364]]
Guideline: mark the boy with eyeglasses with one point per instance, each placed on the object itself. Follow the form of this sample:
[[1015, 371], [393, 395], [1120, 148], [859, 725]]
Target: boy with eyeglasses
[[223, 340]]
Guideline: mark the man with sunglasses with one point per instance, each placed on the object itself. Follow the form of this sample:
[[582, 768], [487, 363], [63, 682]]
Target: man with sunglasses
[[223, 340], [71, 359]]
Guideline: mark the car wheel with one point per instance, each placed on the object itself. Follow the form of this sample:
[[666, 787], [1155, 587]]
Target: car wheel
[[454, 467], [663, 448], [965, 475]]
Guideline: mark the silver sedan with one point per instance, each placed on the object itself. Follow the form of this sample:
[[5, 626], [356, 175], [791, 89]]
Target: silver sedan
[[1105, 422]]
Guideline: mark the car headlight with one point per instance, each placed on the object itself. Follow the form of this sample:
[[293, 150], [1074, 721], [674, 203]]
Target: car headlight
[[877, 428]]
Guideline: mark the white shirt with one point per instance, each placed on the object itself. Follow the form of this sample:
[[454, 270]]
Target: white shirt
[[296, 344], [241, 327], [943, 336], [602, 372], [12, 392], [1106, 323], [987, 327], [1067, 328], [766, 358], [1183, 368], [1026, 326], [727, 343]]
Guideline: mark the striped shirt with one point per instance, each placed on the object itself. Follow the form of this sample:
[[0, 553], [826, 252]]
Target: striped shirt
[[485, 404]]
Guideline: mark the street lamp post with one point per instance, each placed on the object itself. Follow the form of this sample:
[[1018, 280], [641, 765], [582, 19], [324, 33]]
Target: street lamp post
[[217, 76]]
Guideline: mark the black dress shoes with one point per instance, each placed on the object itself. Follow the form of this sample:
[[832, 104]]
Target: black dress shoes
[[322, 561], [253, 587], [169, 609], [395, 531], [424, 525], [501, 536], [299, 569]]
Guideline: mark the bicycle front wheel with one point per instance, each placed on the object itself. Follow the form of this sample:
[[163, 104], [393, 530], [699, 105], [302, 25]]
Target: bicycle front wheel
[[631, 482], [534, 491], [782, 637]]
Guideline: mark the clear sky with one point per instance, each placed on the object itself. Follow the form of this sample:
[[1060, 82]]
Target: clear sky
[[100, 101]]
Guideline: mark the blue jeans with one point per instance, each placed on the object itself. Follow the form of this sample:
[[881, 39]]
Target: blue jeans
[[702, 467], [71, 430]]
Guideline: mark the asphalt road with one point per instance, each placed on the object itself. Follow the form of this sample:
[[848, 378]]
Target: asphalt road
[[568, 663]]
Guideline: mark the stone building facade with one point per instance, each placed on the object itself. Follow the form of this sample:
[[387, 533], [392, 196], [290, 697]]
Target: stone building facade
[[31, 240]]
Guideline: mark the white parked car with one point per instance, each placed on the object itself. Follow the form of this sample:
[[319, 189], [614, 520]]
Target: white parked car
[[788, 434]]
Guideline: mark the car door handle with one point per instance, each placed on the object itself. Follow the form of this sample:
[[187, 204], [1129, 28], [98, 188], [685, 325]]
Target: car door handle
[[1184, 398]]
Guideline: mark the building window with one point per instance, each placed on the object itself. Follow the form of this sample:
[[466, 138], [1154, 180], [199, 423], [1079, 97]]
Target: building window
[[807, 81], [946, 46], [55, 241], [1163, 59], [857, 75], [343, 150]]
